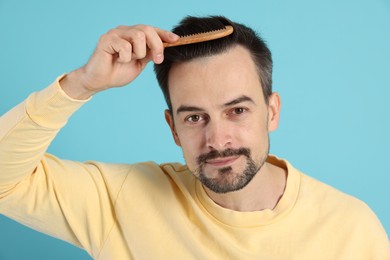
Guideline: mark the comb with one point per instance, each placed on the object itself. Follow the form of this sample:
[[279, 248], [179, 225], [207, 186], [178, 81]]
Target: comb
[[201, 37]]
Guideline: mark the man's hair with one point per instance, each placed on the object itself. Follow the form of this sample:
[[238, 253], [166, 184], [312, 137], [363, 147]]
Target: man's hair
[[242, 35]]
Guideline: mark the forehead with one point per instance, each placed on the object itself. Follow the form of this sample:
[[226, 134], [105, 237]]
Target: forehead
[[214, 80]]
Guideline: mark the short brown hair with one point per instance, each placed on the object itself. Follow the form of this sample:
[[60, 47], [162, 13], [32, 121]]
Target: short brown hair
[[242, 35]]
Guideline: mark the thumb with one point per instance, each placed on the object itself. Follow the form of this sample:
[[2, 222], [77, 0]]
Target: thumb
[[157, 59]]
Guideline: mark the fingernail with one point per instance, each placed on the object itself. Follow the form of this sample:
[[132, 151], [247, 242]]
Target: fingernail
[[159, 57], [174, 36]]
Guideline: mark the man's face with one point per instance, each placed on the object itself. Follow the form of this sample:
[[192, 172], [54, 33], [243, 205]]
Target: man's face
[[220, 118]]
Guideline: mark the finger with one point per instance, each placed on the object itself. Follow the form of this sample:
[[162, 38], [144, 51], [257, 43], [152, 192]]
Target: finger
[[147, 58], [152, 41], [124, 50], [157, 47], [140, 37], [145, 40], [137, 39], [167, 36], [112, 44]]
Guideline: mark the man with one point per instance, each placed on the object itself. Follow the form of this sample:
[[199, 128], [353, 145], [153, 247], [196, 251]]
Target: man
[[232, 200]]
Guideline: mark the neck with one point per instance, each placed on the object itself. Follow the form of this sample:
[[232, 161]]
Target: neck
[[263, 192]]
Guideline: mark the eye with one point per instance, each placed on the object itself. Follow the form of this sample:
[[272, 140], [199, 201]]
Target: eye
[[238, 110], [193, 118]]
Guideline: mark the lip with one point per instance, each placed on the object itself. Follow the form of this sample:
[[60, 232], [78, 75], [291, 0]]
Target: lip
[[225, 161]]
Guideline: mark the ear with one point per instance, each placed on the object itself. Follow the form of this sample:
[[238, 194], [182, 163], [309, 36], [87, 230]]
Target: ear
[[169, 119], [274, 105]]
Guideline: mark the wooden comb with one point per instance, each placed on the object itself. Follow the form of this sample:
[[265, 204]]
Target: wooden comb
[[201, 37]]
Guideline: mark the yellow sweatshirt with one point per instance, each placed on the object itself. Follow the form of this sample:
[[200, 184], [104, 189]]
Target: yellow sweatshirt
[[150, 211]]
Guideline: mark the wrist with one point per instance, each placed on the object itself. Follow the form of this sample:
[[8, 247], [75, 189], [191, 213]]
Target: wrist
[[73, 86]]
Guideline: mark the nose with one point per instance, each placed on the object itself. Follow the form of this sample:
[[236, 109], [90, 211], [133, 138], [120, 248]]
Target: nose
[[218, 135]]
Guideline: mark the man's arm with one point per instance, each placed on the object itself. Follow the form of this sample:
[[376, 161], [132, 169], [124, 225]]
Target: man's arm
[[47, 193], [119, 57]]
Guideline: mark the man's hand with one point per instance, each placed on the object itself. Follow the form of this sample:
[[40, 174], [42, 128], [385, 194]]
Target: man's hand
[[120, 56]]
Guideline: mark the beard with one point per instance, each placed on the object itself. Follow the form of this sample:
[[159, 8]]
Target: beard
[[228, 180]]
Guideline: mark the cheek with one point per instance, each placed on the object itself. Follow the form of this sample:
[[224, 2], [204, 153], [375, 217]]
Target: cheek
[[190, 145], [253, 134]]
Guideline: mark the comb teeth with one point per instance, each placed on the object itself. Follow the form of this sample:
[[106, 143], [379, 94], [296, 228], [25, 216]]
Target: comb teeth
[[202, 37]]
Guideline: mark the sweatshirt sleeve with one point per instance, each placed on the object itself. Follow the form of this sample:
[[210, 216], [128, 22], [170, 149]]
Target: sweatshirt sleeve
[[65, 199], [27, 130]]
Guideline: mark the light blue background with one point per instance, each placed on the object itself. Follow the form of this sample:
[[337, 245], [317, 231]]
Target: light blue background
[[331, 67]]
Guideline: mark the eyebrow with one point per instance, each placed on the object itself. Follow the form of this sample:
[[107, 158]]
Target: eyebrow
[[183, 108], [238, 100], [235, 101]]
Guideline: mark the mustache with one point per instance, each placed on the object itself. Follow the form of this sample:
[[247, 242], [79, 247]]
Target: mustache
[[225, 153]]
